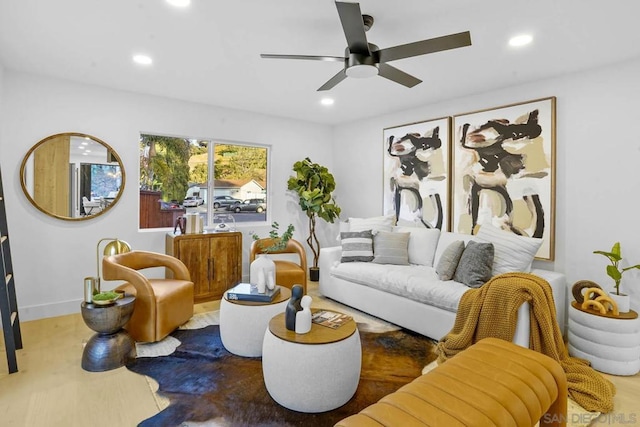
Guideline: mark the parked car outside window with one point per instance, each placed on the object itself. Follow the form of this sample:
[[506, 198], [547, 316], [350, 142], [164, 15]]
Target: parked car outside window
[[192, 201], [224, 201], [249, 205]]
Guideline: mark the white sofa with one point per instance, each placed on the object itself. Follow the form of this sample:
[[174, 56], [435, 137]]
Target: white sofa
[[412, 296]]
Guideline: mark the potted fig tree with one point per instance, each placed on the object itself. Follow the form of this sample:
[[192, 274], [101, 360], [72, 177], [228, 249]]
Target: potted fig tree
[[615, 272], [314, 185]]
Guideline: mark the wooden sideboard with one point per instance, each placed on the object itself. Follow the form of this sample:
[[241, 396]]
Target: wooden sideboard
[[214, 261]]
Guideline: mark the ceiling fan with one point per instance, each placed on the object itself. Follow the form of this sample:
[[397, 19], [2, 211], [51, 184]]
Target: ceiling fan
[[364, 59]]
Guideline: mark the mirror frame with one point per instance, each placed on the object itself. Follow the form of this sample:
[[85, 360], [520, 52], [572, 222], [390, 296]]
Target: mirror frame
[[71, 134]]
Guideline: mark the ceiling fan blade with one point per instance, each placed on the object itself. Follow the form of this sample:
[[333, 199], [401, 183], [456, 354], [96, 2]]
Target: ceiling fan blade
[[353, 26], [393, 74], [333, 81], [310, 57], [452, 41]]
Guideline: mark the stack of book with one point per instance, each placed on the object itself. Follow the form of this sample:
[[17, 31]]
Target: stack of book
[[249, 292]]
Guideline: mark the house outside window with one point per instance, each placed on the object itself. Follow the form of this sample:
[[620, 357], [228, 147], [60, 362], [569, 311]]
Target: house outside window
[[204, 176]]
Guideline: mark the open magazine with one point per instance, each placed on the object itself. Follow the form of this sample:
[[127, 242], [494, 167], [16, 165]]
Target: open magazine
[[330, 319]]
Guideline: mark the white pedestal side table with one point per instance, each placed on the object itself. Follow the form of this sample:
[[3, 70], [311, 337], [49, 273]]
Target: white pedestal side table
[[611, 344], [313, 372], [242, 323]]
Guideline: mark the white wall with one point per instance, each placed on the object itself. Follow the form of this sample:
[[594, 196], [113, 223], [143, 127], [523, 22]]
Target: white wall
[[51, 257], [598, 158]]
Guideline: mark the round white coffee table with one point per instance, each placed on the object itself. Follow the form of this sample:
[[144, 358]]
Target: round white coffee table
[[313, 372], [242, 323]]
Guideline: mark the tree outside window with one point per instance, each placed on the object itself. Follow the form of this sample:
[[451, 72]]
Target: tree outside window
[[175, 179]]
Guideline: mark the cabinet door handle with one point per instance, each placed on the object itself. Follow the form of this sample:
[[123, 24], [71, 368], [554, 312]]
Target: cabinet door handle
[[212, 269]]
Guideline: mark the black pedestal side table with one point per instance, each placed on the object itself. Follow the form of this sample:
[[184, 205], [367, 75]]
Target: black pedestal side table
[[111, 347]]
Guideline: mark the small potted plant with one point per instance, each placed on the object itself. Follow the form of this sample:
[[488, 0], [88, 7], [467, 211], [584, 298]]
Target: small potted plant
[[262, 271], [277, 242], [615, 272]]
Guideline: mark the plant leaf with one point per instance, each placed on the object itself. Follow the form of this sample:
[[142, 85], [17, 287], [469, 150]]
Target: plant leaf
[[613, 272]]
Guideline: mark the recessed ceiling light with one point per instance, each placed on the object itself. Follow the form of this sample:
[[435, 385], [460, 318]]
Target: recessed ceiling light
[[179, 3], [326, 101], [520, 40], [142, 59]]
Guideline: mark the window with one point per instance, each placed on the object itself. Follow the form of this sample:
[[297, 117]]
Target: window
[[208, 177]]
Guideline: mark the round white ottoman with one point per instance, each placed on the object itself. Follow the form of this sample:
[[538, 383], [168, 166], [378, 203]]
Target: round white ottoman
[[612, 345], [242, 323], [313, 372]]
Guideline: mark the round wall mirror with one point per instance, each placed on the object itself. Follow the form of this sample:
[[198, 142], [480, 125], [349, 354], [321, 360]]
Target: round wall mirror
[[72, 176]]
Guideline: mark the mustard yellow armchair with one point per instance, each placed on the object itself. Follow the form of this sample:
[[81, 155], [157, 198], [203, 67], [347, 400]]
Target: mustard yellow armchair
[[288, 273], [161, 305]]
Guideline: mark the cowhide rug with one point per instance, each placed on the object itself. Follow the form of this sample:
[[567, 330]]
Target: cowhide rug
[[207, 385]]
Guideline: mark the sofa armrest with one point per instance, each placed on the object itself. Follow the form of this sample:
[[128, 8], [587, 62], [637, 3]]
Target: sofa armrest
[[330, 257], [558, 284]]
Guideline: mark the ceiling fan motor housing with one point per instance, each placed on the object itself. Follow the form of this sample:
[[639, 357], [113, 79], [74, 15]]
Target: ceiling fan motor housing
[[362, 65]]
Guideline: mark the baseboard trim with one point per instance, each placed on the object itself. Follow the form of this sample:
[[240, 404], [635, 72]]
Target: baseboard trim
[[43, 311]]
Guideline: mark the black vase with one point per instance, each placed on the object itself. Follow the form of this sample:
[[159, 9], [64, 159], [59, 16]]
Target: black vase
[[314, 274]]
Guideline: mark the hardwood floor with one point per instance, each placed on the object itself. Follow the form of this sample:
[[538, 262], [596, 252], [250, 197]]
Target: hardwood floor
[[51, 389]]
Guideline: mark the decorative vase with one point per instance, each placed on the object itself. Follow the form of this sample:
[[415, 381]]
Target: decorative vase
[[623, 301], [262, 273], [314, 274], [293, 307], [303, 317]]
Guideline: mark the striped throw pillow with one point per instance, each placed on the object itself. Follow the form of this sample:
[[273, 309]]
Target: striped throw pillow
[[357, 246]]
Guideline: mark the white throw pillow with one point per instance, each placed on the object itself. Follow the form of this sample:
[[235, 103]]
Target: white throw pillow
[[422, 244], [511, 252], [375, 224]]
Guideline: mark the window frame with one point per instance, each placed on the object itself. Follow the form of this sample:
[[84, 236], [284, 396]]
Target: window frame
[[212, 142]]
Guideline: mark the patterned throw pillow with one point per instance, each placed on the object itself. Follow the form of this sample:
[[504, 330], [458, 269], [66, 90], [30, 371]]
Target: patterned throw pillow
[[449, 260], [474, 268], [391, 248], [357, 246]]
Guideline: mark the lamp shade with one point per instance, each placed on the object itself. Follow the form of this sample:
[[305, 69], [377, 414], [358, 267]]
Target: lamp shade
[[116, 247]]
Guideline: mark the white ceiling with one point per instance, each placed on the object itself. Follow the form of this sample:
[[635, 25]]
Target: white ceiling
[[209, 52]]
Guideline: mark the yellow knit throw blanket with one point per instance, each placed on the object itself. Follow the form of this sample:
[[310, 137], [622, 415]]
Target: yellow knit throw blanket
[[491, 311]]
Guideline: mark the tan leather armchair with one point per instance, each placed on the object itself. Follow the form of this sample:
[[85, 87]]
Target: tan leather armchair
[[161, 304], [288, 273]]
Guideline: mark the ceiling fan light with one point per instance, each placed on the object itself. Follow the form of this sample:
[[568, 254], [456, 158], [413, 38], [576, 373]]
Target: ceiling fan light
[[362, 71]]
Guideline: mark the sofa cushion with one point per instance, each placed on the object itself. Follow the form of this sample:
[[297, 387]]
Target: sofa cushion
[[422, 244], [416, 282], [512, 252], [391, 248], [449, 260], [474, 268], [375, 224], [357, 246], [447, 238]]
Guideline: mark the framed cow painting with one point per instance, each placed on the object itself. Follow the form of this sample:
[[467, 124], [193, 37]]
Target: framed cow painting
[[416, 173], [503, 171]]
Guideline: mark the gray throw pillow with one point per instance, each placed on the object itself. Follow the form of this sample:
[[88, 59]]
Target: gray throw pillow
[[476, 263], [357, 246], [449, 259], [391, 248]]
